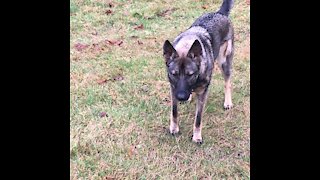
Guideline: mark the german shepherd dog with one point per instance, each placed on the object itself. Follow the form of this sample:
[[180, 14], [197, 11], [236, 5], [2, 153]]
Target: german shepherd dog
[[190, 62]]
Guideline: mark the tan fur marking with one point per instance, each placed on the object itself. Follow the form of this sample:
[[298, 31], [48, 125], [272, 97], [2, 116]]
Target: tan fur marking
[[197, 134], [227, 94], [225, 49], [200, 108], [174, 127]]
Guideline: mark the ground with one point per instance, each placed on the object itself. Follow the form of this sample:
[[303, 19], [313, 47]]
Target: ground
[[120, 96]]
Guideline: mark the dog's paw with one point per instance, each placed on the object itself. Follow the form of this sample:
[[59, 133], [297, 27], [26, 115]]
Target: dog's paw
[[227, 106], [197, 141], [196, 137], [175, 133], [174, 129]]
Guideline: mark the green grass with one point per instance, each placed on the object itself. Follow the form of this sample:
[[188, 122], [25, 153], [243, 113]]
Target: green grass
[[129, 83]]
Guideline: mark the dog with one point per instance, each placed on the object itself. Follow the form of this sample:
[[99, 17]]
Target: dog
[[190, 61]]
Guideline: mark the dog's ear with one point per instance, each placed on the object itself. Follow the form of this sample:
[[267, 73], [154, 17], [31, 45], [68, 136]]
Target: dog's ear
[[168, 51], [195, 50]]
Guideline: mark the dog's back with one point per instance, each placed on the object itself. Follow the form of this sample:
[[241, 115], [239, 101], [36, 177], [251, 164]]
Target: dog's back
[[218, 25], [211, 30]]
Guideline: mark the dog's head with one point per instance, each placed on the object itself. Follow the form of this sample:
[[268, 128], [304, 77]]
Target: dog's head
[[183, 71]]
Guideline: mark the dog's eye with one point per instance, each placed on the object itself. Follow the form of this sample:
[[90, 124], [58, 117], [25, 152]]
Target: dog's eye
[[190, 73], [174, 73]]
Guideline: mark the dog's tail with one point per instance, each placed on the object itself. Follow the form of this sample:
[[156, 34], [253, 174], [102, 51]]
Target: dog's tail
[[226, 7]]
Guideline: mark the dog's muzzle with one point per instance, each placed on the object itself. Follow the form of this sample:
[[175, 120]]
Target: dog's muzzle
[[182, 95]]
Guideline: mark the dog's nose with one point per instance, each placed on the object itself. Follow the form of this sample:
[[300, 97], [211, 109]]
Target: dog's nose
[[182, 96]]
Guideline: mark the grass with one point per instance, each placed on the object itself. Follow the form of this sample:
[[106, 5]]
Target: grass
[[120, 99]]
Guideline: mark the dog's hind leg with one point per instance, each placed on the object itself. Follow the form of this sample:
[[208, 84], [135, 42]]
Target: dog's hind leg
[[201, 100], [174, 126], [227, 93], [225, 65]]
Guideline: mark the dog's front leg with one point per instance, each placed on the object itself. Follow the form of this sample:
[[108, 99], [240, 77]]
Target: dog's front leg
[[174, 126], [201, 100]]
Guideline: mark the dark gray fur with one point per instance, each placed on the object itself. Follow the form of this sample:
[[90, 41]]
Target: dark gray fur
[[219, 28]]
